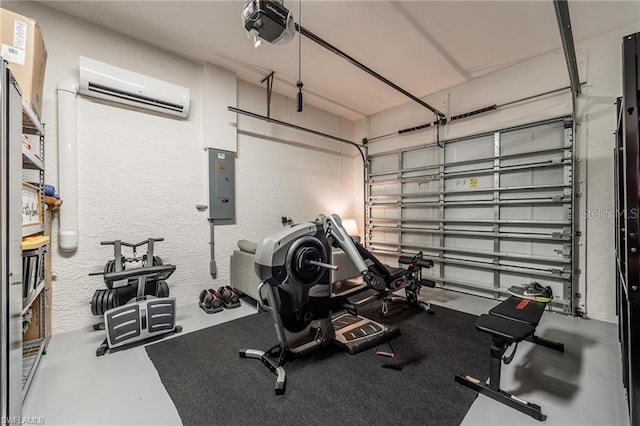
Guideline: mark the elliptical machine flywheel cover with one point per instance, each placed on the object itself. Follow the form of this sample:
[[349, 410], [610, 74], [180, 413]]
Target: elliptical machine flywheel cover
[[297, 262]]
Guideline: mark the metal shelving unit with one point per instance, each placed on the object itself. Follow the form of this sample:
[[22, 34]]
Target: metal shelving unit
[[627, 223], [30, 160], [32, 350], [491, 210], [11, 290]]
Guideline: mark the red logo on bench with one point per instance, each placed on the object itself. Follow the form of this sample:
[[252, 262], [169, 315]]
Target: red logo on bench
[[523, 304]]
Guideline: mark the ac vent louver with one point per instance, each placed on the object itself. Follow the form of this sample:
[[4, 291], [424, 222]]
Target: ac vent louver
[[133, 97]]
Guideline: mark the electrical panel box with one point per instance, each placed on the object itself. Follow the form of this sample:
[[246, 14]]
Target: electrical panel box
[[222, 197]]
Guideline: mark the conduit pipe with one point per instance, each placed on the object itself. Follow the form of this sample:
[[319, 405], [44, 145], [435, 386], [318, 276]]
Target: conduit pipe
[[331, 48], [68, 234]]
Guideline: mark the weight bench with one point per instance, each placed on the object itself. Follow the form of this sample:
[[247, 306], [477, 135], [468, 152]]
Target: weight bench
[[510, 322]]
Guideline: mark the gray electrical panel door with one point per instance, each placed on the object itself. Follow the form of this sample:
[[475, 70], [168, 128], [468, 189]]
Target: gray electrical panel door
[[222, 197]]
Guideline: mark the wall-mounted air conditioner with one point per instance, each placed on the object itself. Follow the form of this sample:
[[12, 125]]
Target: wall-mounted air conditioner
[[115, 84]]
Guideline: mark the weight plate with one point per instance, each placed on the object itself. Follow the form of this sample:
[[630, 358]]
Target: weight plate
[[163, 289], [110, 299], [116, 301], [93, 302], [108, 268], [99, 296], [105, 302]]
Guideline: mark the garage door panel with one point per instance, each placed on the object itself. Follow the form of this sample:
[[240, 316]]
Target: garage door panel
[[470, 149], [385, 163], [532, 139], [420, 158], [477, 212], [471, 275]]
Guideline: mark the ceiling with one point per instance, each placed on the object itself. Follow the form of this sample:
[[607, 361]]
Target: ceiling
[[422, 46]]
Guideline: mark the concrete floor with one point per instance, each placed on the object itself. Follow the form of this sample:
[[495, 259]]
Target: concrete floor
[[583, 386]]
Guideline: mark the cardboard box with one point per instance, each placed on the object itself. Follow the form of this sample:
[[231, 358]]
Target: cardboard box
[[48, 302], [22, 46], [33, 332]]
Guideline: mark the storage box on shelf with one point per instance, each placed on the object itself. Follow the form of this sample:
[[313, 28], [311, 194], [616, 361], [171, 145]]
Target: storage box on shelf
[[24, 50]]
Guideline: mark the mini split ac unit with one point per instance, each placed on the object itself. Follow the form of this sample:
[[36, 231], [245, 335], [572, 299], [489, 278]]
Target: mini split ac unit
[[115, 84]]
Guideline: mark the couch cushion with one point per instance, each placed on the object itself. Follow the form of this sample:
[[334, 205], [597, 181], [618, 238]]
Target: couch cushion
[[248, 246]]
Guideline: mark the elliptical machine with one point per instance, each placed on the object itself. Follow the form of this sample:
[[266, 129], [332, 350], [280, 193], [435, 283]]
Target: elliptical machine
[[294, 268], [296, 283]]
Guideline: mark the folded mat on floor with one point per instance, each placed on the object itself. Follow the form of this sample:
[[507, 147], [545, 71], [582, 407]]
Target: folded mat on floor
[[210, 384]]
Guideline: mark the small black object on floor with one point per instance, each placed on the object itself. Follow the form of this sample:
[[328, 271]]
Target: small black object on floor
[[327, 386]]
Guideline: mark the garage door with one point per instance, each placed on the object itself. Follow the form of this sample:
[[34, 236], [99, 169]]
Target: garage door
[[491, 210]]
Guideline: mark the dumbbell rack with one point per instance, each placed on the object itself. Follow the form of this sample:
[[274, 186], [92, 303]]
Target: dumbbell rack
[[116, 294]]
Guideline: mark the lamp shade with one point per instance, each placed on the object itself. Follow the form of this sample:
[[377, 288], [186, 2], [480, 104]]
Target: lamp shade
[[350, 226]]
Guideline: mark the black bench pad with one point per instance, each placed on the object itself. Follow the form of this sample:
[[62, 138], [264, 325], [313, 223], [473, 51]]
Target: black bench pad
[[518, 309], [512, 331], [396, 273]]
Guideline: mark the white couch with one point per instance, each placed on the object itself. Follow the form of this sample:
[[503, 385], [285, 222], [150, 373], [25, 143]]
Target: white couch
[[243, 275]]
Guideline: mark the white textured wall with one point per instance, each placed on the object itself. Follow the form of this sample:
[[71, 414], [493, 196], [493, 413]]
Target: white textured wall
[[141, 175], [599, 61]]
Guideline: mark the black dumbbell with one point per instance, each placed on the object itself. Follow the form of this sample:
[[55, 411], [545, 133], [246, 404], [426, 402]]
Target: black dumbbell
[[229, 295], [210, 299]]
